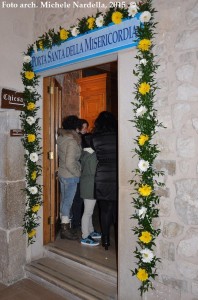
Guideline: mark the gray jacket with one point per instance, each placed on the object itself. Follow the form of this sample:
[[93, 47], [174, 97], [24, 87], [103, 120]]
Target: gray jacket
[[89, 163], [69, 152]]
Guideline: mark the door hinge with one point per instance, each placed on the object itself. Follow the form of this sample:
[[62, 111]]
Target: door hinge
[[50, 155], [50, 90], [50, 221]]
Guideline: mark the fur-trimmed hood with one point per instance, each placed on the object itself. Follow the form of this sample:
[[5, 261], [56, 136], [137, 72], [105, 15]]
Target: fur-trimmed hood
[[70, 134]]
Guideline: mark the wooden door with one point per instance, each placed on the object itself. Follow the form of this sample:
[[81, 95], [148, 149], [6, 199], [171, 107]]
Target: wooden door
[[52, 102], [93, 97]]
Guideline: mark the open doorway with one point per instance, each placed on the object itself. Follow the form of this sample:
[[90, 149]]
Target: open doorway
[[84, 93]]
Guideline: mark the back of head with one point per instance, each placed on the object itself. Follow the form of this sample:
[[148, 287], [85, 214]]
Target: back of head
[[86, 140], [105, 122], [70, 122]]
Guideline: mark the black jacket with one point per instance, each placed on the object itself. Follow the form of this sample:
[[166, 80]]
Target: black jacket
[[105, 146]]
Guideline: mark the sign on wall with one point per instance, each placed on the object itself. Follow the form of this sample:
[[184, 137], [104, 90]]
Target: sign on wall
[[95, 43], [12, 100]]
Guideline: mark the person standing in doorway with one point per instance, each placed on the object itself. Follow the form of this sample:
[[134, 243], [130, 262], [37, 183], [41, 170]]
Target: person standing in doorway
[[77, 206], [105, 144], [88, 160], [69, 152]]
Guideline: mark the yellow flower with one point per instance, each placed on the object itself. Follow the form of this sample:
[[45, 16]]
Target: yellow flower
[[144, 88], [142, 139], [30, 106], [142, 275], [31, 138], [64, 34], [33, 175], [29, 75], [146, 237], [32, 233], [41, 45], [116, 17], [144, 45], [35, 208], [90, 23], [145, 190]]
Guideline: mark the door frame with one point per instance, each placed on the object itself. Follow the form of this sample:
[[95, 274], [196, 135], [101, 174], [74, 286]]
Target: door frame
[[48, 220]]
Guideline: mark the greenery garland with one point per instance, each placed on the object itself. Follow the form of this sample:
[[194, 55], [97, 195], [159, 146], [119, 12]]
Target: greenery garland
[[145, 121], [145, 198]]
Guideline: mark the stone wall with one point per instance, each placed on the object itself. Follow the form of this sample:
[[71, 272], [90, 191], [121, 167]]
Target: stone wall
[[16, 33], [176, 102], [177, 50]]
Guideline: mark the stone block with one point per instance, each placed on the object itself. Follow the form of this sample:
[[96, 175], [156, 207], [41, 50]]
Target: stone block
[[191, 14], [187, 39], [17, 255], [15, 204], [186, 146], [195, 124], [4, 259], [187, 92], [177, 284], [185, 166], [195, 288], [188, 246], [187, 270], [185, 73], [3, 205], [187, 57], [168, 166], [167, 250], [172, 229], [186, 201], [164, 207], [180, 114], [15, 159], [3, 157], [162, 292]]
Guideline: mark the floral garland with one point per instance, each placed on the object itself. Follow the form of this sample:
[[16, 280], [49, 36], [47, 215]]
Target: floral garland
[[145, 122], [145, 197], [29, 119]]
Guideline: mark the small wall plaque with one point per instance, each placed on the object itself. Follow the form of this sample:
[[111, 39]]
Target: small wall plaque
[[16, 132], [12, 100]]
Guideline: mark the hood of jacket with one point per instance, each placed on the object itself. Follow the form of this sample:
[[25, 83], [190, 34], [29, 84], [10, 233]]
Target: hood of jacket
[[69, 134]]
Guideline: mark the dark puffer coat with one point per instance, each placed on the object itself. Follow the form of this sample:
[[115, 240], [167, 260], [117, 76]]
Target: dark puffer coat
[[105, 146]]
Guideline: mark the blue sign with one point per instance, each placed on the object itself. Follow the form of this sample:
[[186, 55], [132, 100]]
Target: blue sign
[[95, 43]]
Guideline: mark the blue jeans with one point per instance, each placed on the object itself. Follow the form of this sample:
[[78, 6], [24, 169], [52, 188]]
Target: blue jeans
[[68, 189]]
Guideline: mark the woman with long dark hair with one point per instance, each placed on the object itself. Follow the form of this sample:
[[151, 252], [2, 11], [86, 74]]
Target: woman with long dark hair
[[105, 144]]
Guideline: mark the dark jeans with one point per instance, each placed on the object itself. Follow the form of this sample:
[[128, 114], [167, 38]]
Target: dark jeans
[[77, 208], [108, 215]]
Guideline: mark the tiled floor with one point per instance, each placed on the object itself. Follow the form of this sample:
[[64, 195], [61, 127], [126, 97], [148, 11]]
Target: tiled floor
[[27, 290]]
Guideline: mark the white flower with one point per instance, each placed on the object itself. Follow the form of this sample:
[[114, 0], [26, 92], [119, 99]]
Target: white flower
[[34, 157], [27, 59], [142, 212], [27, 152], [132, 11], [134, 4], [30, 120], [143, 165], [147, 255], [143, 61], [99, 21], [35, 48], [30, 88], [75, 31], [145, 17], [141, 111], [33, 190]]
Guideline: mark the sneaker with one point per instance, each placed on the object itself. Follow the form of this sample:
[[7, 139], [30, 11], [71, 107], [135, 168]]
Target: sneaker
[[89, 241], [95, 235]]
